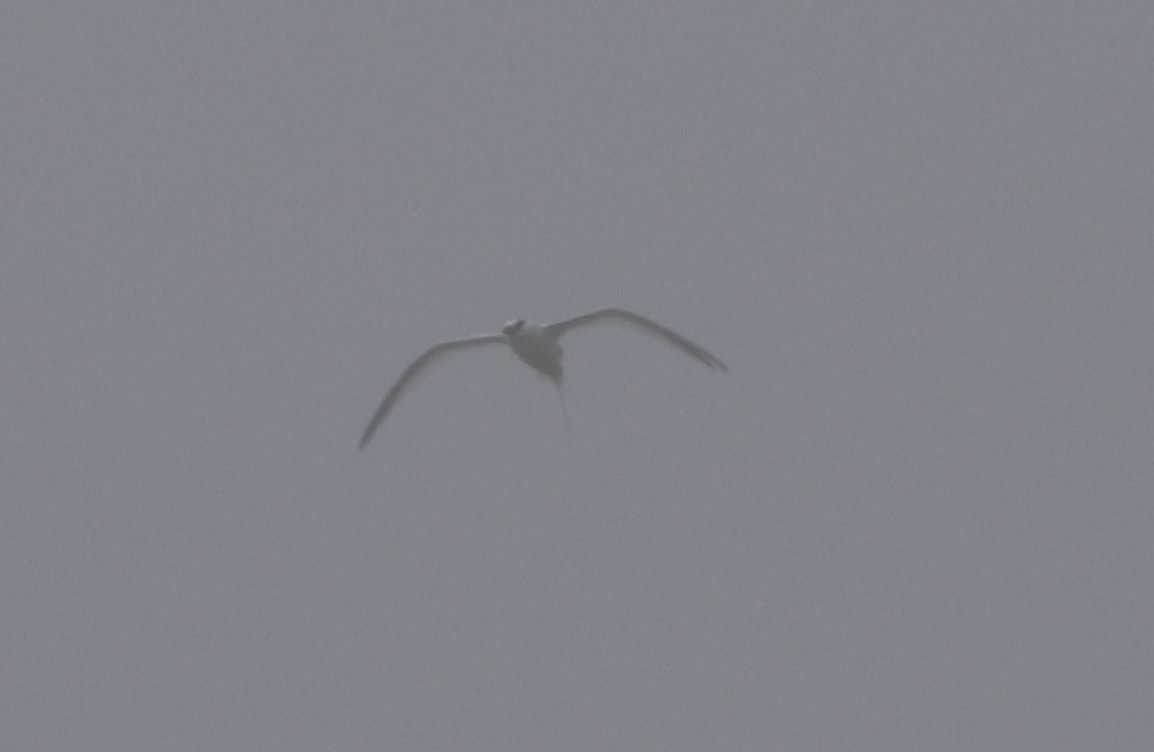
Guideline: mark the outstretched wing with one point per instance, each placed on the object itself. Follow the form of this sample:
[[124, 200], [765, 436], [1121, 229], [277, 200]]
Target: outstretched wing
[[415, 368], [706, 357]]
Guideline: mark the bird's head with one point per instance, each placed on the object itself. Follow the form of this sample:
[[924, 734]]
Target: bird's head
[[511, 328]]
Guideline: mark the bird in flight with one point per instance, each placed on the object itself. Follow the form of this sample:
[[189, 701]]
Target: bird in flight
[[536, 345]]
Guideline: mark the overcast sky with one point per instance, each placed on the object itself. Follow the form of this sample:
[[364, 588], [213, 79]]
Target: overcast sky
[[916, 515]]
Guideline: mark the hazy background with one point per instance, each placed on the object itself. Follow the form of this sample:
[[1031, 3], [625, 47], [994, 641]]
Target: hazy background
[[915, 516]]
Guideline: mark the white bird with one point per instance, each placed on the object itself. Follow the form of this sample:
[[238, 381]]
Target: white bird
[[536, 345]]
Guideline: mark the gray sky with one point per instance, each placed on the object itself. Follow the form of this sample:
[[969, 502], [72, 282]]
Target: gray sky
[[915, 516]]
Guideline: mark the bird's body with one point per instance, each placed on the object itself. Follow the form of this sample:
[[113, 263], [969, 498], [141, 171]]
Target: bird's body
[[536, 345], [533, 344]]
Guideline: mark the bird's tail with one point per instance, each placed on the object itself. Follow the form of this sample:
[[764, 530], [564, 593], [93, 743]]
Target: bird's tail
[[564, 409], [559, 383]]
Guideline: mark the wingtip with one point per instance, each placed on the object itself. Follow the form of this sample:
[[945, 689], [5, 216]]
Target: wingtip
[[712, 361]]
